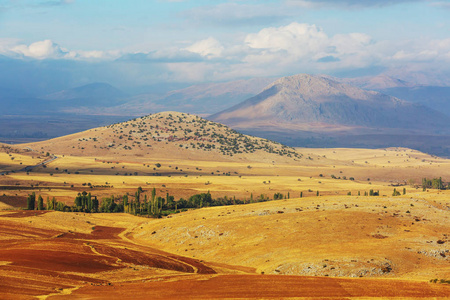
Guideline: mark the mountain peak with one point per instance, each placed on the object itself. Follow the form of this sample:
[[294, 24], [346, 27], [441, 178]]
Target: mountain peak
[[320, 100]]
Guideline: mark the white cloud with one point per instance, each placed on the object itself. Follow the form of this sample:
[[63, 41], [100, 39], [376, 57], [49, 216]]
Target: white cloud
[[209, 47], [308, 46], [40, 50], [47, 49], [298, 39], [271, 51]]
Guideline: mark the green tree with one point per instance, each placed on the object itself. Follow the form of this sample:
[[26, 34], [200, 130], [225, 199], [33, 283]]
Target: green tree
[[49, 204], [31, 201], [40, 203]]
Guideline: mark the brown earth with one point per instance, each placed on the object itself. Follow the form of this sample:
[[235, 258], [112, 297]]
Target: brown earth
[[37, 261], [263, 287]]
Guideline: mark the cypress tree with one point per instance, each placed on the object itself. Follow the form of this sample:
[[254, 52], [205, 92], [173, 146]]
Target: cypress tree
[[49, 204], [31, 201], [40, 203]]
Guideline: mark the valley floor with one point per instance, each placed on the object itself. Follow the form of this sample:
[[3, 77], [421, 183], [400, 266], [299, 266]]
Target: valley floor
[[333, 242]]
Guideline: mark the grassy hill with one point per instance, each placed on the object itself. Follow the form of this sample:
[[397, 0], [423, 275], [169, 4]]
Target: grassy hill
[[168, 134]]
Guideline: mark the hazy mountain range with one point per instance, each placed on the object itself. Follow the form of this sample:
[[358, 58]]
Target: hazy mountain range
[[300, 110], [319, 104]]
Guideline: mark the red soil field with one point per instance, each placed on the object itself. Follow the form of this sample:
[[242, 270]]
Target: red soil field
[[263, 287], [103, 265]]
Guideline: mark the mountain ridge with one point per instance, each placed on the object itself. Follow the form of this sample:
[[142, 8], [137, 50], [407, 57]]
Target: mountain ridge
[[303, 99]]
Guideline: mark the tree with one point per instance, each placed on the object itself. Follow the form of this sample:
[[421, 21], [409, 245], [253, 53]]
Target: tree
[[31, 201], [95, 204], [40, 203], [49, 204], [395, 193]]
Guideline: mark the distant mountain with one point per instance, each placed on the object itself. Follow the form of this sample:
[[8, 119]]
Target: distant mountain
[[202, 99], [301, 107], [307, 99], [435, 97], [91, 95]]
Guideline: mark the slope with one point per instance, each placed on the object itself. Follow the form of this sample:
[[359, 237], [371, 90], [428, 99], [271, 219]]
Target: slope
[[167, 135]]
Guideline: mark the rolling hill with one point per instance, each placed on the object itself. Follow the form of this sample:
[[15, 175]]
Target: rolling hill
[[168, 134]]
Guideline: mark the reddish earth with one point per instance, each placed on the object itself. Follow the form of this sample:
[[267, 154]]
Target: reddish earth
[[262, 286], [24, 213], [15, 201], [102, 265], [36, 261]]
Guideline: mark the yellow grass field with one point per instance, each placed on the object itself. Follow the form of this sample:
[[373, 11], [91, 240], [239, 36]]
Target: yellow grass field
[[325, 233]]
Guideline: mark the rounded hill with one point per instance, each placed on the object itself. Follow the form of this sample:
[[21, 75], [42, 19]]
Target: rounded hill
[[168, 135]]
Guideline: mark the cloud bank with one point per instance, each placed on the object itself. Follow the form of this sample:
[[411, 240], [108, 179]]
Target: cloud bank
[[271, 51]]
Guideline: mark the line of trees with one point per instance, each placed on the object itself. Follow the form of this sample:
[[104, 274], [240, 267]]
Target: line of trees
[[140, 203], [148, 204], [435, 183]]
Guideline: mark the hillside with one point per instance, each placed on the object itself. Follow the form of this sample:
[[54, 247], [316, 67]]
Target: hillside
[[167, 134], [334, 236]]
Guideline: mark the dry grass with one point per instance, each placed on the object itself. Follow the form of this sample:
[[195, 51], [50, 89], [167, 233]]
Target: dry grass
[[328, 235]]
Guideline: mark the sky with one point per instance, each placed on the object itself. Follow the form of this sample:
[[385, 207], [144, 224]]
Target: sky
[[50, 44]]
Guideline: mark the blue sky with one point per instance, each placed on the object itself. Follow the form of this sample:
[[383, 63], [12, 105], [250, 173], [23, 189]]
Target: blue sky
[[146, 42]]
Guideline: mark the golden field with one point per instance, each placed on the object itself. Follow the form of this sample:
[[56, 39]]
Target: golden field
[[333, 242]]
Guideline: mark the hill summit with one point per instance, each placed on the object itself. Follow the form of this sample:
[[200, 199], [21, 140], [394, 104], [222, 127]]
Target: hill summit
[[319, 103], [168, 135]]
